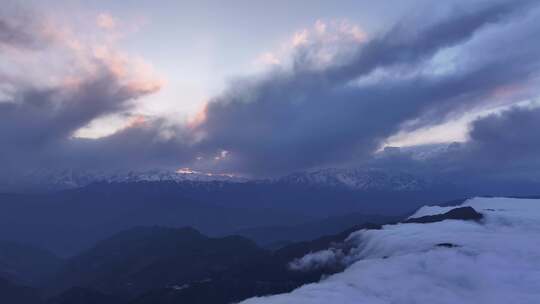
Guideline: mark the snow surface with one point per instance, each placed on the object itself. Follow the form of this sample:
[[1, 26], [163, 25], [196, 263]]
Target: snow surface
[[430, 210], [79, 178], [495, 261], [359, 179]]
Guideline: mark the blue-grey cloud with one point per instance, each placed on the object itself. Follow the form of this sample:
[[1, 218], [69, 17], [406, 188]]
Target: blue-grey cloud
[[308, 117], [502, 156], [509, 135]]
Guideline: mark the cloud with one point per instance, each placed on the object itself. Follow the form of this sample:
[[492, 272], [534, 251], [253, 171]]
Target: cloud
[[142, 145], [321, 115], [501, 156], [404, 264], [324, 259], [508, 135], [268, 58], [17, 30], [106, 21], [45, 119], [323, 43], [40, 113], [337, 98], [11, 34], [504, 146]]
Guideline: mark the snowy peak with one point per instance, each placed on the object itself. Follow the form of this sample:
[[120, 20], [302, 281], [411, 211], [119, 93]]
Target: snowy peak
[[359, 179], [74, 178], [351, 179], [180, 175]]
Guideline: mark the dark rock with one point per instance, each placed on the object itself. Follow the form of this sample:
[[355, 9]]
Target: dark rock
[[461, 213], [447, 245]]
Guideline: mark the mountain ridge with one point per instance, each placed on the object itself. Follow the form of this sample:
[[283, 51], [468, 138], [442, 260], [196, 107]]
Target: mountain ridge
[[363, 179]]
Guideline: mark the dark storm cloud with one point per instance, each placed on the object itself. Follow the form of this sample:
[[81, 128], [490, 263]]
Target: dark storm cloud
[[502, 155], [36, 124], [410, 42], [12, 35], [38, 118], [146, 145], [43, 115], [504, 150], [508, 138], [293, 120], [20, 29]]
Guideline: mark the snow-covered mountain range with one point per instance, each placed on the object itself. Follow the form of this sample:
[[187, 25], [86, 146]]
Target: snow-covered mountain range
[[66, 179], [359, 179], [350, 179]]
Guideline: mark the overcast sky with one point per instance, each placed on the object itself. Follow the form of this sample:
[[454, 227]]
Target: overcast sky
[[253, 87]]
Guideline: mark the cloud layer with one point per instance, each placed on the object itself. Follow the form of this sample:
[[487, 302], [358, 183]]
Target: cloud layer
[[404, 264]]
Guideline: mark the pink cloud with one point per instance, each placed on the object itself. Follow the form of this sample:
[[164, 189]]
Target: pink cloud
[[106, 21]]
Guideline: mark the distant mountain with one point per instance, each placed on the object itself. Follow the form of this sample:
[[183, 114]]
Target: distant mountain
[[165, 265], [140, 259], [12, 293], [318, 193], [278, 236], [360, 179], [272, 275], [26, 264], [47, 180], [67, 221], [357, 179], [71, 220], [371, 181]]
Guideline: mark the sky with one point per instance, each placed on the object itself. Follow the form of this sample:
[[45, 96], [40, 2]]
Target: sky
[[260, 89], [200, 46]]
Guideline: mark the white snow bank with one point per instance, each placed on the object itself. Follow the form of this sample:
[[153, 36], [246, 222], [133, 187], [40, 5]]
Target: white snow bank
[[430, 210], [496, 261]]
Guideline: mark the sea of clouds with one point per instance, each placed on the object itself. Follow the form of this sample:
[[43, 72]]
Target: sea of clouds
[[495, 260]]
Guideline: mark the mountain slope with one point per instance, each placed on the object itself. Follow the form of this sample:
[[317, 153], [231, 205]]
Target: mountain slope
[[274, 235], [255, 277], [282, 271], [26, 264], [11, 293], [71, 220], [165, 265], [137, 260], [47, 180]]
